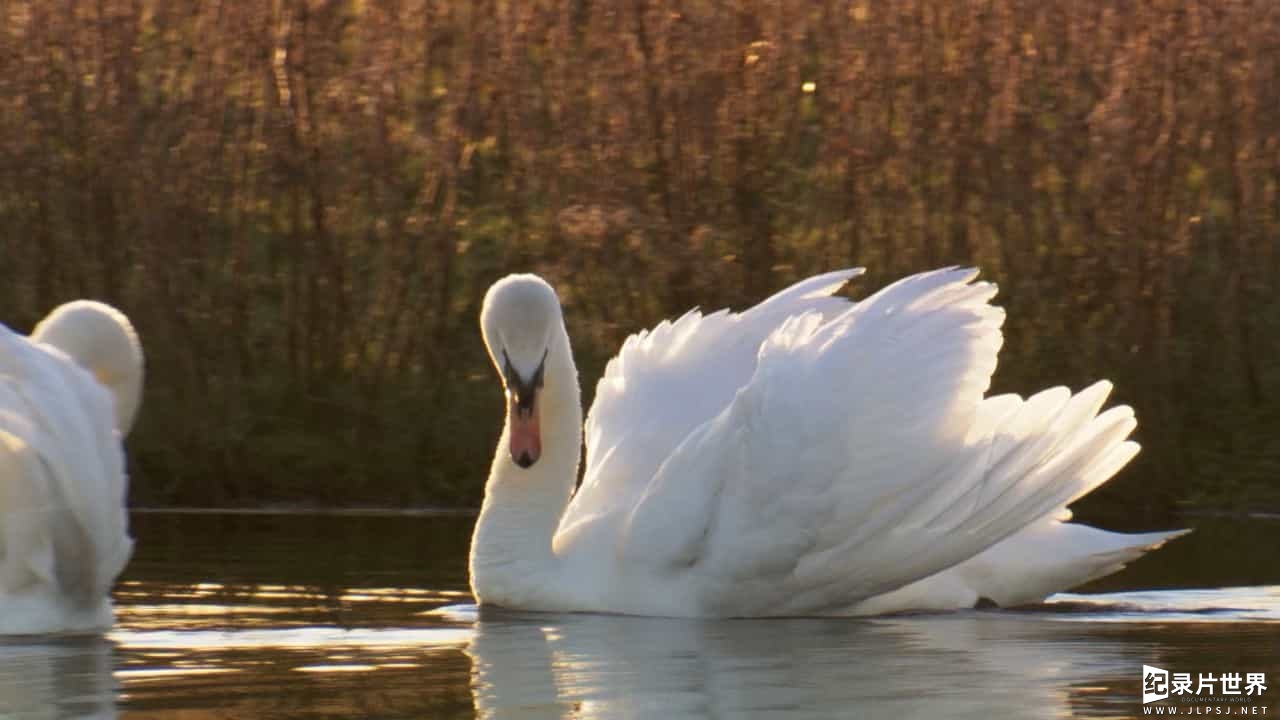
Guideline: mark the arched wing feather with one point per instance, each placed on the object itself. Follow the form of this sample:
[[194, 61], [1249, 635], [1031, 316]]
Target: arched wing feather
[[667, 381], [856, 459]]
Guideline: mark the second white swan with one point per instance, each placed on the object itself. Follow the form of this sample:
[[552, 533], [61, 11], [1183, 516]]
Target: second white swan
[[68, 395], [810, 456]]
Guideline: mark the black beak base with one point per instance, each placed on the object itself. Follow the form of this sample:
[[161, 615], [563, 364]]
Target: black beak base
[[523, 391]]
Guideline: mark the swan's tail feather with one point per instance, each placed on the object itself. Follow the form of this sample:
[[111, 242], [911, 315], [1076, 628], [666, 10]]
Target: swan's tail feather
[[1079, 554], [1031, 459], [1047, 558], [1134, 546], [1076, 450]]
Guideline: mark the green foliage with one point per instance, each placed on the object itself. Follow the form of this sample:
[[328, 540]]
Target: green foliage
[[301, 205]]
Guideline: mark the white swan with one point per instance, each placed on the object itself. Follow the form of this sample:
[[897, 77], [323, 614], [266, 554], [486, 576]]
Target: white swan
[[68, 394], [809, 456]]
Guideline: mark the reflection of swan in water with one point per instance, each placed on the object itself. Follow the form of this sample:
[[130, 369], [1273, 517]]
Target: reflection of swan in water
[[976, 665], [67, 677]]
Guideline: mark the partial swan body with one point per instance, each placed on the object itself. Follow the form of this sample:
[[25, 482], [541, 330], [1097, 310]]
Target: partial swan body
[[68, 393], [808, 457]]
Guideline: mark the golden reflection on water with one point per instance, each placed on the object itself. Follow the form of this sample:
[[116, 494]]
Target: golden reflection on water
[[145, 674], [245, 650], [336, 668], [305, 630], [439, 658]]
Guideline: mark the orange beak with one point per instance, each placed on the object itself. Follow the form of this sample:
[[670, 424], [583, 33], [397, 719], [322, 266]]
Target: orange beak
[[524, 435]]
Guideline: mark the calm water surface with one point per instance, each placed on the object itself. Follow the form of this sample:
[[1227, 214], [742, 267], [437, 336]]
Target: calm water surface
[[325, 616]]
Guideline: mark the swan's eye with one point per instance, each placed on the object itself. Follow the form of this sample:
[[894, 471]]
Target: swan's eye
[[537, 374], [521, 392], [509, 373]]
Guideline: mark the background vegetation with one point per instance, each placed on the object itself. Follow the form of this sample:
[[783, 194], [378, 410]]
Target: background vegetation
[[300, 203]]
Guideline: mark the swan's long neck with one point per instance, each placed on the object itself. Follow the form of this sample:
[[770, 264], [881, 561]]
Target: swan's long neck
[[512, 563]]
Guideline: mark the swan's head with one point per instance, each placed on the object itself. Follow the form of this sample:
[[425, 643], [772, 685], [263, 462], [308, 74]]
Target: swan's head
[[520, 320], [101, 340]]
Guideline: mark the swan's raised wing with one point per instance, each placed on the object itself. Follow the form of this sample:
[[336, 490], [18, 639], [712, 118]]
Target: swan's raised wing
[[667, 381], [62, 475], [856, 460]]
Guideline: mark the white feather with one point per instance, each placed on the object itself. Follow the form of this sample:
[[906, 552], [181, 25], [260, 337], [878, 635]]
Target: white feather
[[63, 524], [813, 456]]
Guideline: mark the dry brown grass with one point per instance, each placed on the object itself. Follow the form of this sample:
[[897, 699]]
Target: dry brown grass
[[301, 204]]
